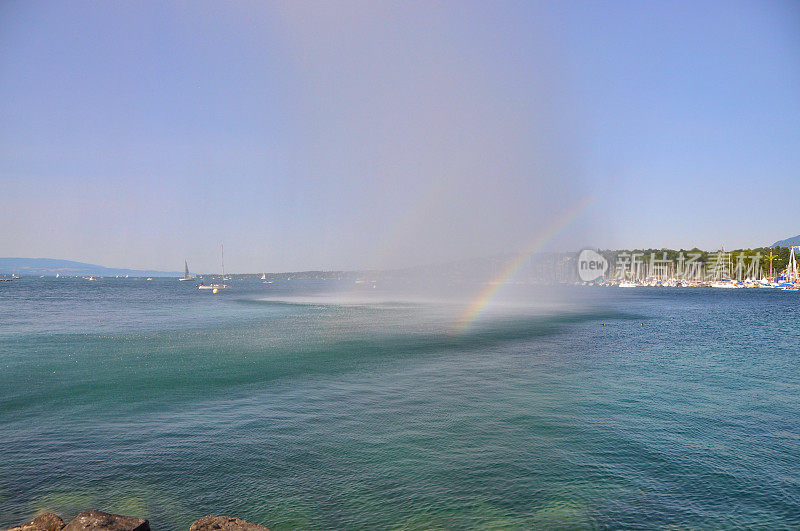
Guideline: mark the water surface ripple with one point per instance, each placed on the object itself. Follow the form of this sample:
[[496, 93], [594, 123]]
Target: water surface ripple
[[154, 399]]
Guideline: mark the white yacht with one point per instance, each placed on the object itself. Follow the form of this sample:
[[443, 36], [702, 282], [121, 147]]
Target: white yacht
[[221, 284]]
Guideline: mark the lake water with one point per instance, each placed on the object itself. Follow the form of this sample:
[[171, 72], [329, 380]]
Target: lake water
[[291, 405]]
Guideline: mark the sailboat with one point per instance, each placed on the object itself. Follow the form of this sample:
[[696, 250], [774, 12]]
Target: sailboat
[[186, 275], [791, 277], [263, 276], [723, 271], [632, 282], [222, 284]]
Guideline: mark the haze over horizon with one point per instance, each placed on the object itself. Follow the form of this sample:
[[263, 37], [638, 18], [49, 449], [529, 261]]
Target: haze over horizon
[[363, 135]]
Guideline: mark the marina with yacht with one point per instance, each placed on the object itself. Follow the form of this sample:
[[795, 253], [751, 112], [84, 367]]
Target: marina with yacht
[[719, 274]]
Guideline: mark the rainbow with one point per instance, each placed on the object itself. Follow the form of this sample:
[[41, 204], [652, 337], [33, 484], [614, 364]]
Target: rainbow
[[559, 223]]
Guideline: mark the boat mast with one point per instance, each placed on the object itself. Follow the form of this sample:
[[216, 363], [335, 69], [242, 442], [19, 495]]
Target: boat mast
[[791, 269], [222, 246]]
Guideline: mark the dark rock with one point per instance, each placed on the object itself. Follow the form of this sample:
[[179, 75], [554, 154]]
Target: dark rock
[[224, 523], [43, 522], [105, 521]]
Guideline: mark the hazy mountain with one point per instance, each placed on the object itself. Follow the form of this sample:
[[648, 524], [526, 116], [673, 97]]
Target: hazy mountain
[[51, 266], [787, 242]]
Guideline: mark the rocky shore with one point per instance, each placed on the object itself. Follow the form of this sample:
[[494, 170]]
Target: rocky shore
[[98, 520]]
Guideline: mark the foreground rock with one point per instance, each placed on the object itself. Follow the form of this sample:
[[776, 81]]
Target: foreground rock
[[97, 520], [100, 521], [224, 523], [43, 522]]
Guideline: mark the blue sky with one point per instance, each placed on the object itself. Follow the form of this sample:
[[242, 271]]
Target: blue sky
[[366, 134]]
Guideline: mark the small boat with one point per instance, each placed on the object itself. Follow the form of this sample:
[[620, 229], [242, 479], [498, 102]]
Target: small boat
[[215, 287], [186, 275], [90, 278], [263, 276], [627, 284]]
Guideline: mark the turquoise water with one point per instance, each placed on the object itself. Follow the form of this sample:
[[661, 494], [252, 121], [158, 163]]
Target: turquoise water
[[292, 406]]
